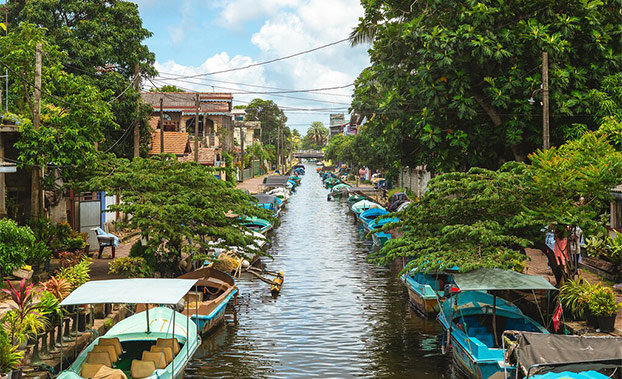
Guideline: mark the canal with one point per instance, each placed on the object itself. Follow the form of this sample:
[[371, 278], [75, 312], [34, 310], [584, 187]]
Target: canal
[[338, 316]]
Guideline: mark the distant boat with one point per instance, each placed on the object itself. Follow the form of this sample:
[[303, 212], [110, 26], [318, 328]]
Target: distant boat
[[363, 205], [476, 320], [355, 198], [156, 344], [213, 291], [269, 202]]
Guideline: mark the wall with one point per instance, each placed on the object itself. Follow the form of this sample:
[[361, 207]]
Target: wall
[[414, 179]]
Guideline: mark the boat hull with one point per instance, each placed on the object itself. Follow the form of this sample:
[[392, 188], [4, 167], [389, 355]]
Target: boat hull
[[207, 323], [424, 303], [474, 369]]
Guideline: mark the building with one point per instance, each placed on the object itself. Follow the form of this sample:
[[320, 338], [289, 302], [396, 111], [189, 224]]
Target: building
[[179, 111], [337, 123]]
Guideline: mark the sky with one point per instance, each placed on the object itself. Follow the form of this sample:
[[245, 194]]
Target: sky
[[192, 37]]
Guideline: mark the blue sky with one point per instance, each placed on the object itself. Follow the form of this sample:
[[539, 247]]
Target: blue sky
[[192, 37]]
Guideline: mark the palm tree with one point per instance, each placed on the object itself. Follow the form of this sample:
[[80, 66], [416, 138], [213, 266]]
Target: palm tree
[[318, 132]]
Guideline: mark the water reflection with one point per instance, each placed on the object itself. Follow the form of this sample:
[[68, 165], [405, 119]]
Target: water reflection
[[337, 315]]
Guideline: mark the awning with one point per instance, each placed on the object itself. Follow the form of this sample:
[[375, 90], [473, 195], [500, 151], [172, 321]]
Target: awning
[[496, 279], [560, 352], [263, 198], [130, 291], [275, 181]]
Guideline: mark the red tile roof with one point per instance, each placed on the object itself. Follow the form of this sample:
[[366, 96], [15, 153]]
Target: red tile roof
[[174, 142], [207, 156]]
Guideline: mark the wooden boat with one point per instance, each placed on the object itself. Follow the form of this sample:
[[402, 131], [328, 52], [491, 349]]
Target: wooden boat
[[550, 356], [369, 215], [269, 202], [475, 320], [355, 198], [363, 205], [209, 299], [426, 290], [156, 343], [381, 237]]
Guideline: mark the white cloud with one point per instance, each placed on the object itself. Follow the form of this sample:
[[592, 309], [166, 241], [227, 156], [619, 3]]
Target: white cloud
[[287, 30]]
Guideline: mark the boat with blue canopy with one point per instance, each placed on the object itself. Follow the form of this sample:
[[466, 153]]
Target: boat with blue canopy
[[475, 320], [269, 202], [378, 236], [156, 343]]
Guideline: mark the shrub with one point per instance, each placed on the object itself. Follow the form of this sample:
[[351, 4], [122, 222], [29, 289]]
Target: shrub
[[68, 258], [131, 267], [59, 287], [602, 302], [76, 275], [15, 242], [10, 357], [575, 294]]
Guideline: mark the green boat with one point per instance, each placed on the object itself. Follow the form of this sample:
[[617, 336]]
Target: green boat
[[257, 224], [331, 182], [154, 343], [339, 190], [355, 199]]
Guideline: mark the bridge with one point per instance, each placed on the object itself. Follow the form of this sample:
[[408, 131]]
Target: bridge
[[317, 154]]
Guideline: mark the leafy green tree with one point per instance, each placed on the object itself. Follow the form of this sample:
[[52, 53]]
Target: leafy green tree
[[185, 211], [449, 82], [104, 41], [167, 88], [271, 116], [317, 135], [74, 114], [340, 148]]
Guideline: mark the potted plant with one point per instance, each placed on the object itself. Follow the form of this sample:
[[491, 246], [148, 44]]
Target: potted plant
[[603, 305], [10, 357], [574, 295]]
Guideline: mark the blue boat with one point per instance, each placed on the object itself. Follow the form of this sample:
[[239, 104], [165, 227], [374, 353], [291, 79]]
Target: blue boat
[[269, 202], [369, 215], [257, 224], [572, 375], [426, 291], [380, 237], [209, 298], [476, 320]]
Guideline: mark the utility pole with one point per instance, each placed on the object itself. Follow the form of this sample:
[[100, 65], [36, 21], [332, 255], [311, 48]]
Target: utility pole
[[137, 125], [36, 203], [196, 130], [545, 100], [278, 144], [241, 124], [161, 125]]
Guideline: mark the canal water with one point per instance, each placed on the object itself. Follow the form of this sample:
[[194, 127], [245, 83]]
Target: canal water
[[337, 316]]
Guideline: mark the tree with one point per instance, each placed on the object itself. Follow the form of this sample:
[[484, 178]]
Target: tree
[[340, 148], [74, 114], [485, 218], [317, 136], [187, 211], [271, 116], [104, 41], [449, 83], [166, 88]]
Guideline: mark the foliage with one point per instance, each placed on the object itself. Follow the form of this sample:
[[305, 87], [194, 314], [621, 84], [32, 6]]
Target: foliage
[[166, 88], [49, 304], [23, 321], [449, 82], [316, 137], [602, 302], [59, 287], [104, 40], [10, 356], [15, 245], [464, 220], [184, 211], [605, 247], [340, 148], [131, 267], [65, 238], [77, 274], [271, 116], [68, 258], [74, 113], [574, 295]]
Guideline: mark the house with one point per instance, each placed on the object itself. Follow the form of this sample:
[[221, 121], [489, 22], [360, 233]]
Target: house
[[337, 123], [179, 111]]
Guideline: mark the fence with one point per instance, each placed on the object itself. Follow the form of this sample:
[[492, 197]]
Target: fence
[[415, 179]]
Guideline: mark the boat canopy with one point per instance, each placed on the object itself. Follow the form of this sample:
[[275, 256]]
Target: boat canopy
[[275, 181], [130, 291], [264, 198], [488, 279], [580, 352]]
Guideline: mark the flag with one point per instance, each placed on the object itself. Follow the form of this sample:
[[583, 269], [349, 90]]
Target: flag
[[557, 316]]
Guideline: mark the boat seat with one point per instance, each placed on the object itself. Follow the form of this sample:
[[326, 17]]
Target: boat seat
[[109, 373], [142, 369], [169, 342], [114, 341], [108, 349], [168, 352], [101, 357], [88, 370], [158, 358]]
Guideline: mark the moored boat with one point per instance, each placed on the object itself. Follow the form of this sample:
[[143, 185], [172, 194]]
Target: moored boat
[[257, 224], [366, 217], [426, 291], [476, 320], [208, 300], [363, 205], [155, 343], [380, 237]]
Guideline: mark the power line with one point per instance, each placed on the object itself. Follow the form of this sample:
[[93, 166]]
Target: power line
[[268, 61]]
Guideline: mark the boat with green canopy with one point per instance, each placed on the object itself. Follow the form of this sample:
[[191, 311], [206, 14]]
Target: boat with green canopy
[[154, 343], [475, 320]]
